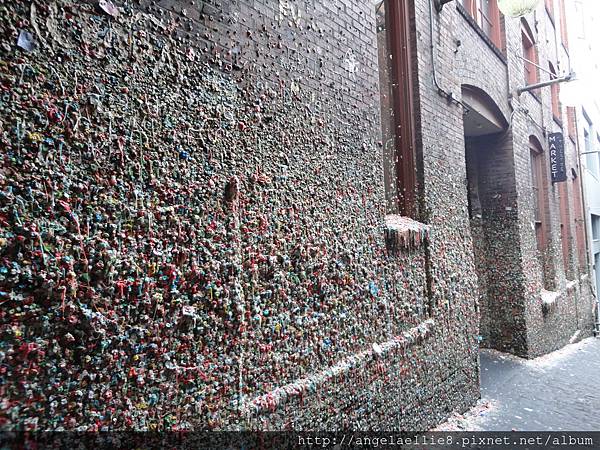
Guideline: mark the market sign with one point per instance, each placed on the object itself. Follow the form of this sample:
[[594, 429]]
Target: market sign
[[558, 166]]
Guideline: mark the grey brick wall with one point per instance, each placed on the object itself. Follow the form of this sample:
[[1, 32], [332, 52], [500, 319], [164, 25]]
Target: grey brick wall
[[193, 220], [208, 187], [515, 271]]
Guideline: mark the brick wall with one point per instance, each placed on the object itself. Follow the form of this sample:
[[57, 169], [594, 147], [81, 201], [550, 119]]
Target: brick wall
[[193, 225], [193, 215], [518, 319]]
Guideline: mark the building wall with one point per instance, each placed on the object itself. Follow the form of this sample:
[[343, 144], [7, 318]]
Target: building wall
[[559, 307], [584, 17], [193, 225], [588, 120], [534, 303], [193, 220], [478, 63], [566, 311]]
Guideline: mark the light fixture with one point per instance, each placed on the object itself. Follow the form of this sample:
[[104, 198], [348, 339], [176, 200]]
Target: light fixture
[[517, 8], [439, 4], [531, 87]]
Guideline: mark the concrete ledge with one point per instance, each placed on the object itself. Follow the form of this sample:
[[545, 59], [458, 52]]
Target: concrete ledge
[[404, 233], [276, 398], [549, 299]]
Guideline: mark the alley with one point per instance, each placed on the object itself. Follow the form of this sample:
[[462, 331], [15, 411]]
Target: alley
[[278, 215], [555, 392]]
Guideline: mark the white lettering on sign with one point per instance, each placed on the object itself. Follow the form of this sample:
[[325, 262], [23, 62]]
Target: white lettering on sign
[[558, 168]]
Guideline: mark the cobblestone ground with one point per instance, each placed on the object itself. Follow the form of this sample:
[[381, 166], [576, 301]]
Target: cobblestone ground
[[556, 392]]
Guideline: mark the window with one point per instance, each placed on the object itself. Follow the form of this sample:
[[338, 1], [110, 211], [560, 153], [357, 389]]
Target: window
[[595, 157], [550, 7], [555, 94], [487, 16], [397, 106], [539, 183], [537, 192], [587, 141], [591, 158], [595, 227], [563, 24], [529, 54], [571, 122], [565, 227], [579, 221]]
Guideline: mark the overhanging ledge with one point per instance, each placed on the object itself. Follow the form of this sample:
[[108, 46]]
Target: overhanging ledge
[[404, 233]]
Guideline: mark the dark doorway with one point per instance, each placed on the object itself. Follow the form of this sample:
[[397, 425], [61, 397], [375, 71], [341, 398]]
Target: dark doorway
[[491, 191], [476, 149]]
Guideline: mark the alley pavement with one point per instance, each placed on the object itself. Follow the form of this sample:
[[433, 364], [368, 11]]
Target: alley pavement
[[556, 392]]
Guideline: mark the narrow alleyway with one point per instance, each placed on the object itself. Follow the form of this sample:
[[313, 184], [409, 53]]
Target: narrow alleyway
[[559, 391]]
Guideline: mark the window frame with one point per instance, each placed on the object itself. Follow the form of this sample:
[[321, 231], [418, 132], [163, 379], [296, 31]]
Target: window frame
[[592, 160], [475, 9], [595, 227], [400, 45], [566, 234], [550, 8], [578, 212], [564, 36], [530, 55], [536, 157]]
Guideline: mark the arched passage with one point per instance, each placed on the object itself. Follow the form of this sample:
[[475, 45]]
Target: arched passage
[[493, 220], [481, 116]]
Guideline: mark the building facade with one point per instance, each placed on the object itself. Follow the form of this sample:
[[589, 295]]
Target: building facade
[[528, 233], [268, 214], [584, 18]]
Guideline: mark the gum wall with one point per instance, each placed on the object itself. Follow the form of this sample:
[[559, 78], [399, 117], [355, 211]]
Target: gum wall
[[192, 226]]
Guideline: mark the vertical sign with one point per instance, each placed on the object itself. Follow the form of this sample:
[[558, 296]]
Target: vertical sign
[[558, 166]]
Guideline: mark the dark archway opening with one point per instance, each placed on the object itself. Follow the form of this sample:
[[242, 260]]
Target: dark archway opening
[[491, 190]]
